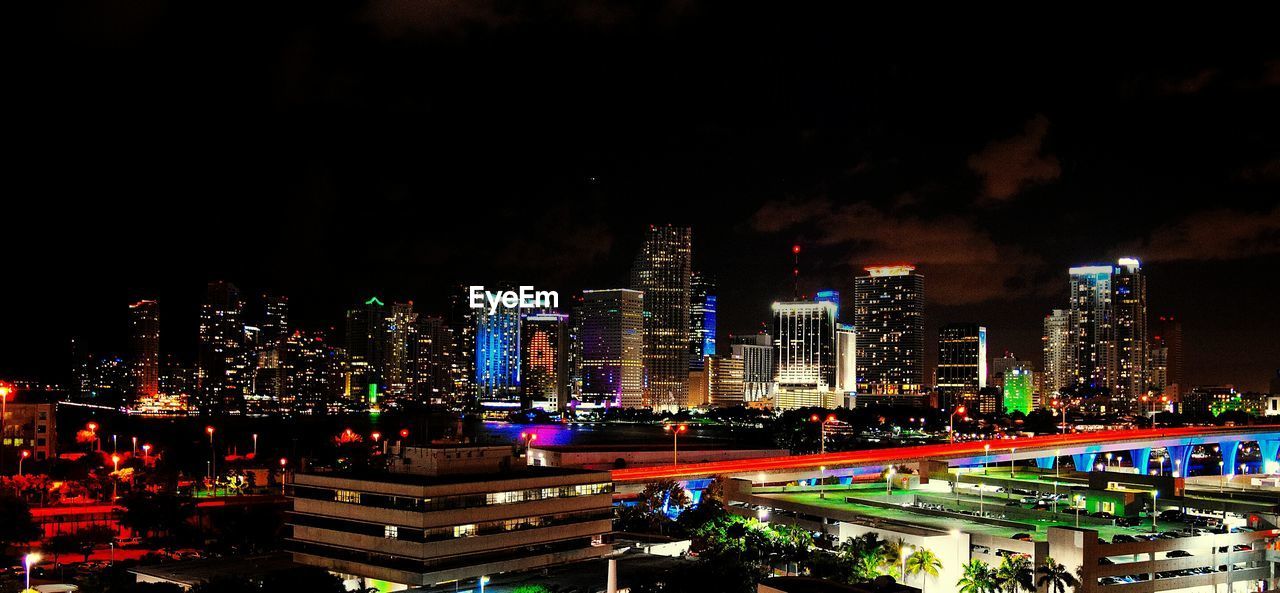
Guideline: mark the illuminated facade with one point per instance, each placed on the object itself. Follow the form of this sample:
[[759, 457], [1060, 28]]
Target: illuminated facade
[[889, 315], [611, 323], [1108, 337], [829, 296], [724, 381], [275, 318], [702, 320], [662, 271], [144, 338], [1018, 390], [311, 371], [804, 340], [846, 364], [545, 371], [1057, 353], [223, 361], [962, 363], [1166, 357], [1132, 339], [498, 358], [433, 357], [366, 348], [756, 352], [402, 337]]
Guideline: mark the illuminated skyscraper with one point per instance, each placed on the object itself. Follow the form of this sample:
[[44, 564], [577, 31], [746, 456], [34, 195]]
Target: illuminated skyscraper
[[1057, 352], [829, 296], [366, 349], [1166, 357], [462, 332], [1019, 386], [1108, 337], [611, 323], [846, 363], [756, 352], [433, 357], [804, 340], [144, 338], [962, 363], [662, 272], [724, 381], [889, 317], [311, 370], [222, 362], [1132, 339], [702, 320], [498, 358], [401, 338], [545, 372], [275, 318]]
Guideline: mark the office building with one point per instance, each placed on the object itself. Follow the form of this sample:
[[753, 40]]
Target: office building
[[1166, 372], [1057, 353], [222, 363], [274, 325], [544, 369], [829, 296], [312, 373], [724, 381], [612, 341], [889, 316], [804, 340], [462, 329], [702, 319], [1108, 337], [1018, 390], [662, 272], [1132, 338], [144, 340], [401, 340], [498, 359], [846, 364], [962, 363], [366, 350], [29, 424], [756, 352], [433, 357], [449, 514]]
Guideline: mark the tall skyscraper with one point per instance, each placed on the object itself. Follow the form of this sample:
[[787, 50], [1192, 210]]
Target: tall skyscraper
[[1019, 389], [462, 331], [756, 352], [846, 363], [1166, 357], [401, 338], [498, 359], [702, 320], [662, 272], [829, 296], [611, 323], [311, 370], [275, 318], [804, 339], [366, 349], [545, 373], [433, 357], [889, 316], [144, 339], [962, 363], [1108, 331], [1057, 352], [222, 362], [724, 381]]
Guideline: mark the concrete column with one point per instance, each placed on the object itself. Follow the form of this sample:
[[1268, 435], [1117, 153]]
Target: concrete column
[[611, 585], [1046, 462], [1269, 451], [1141, 459], [1229, 450], [1179, 459], [1084, 461]]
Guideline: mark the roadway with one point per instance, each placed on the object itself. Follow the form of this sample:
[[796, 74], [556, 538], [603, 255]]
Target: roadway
[[968, 452]]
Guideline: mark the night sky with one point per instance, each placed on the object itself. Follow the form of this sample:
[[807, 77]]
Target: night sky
[[400, 148]]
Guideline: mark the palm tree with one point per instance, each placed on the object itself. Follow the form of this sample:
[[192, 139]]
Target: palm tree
[[1054, 577], [924, 561], [1015, 573], [977, 578], [891, 555], [866, 568]]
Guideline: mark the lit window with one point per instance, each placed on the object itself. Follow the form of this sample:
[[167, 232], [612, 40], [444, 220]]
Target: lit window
[[391, 532], [347, 496], [464, 530]]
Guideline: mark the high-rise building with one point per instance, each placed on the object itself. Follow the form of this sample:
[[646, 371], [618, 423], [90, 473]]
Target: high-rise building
[[756, 352], [829, 296], [223, 362], [433, 357], [144, 339], [1019, 390], [1132, 339], [804, 339], [545, 367], [1057, 353], [612, 341], [846, 363], [724, 381], [702, 320], [111, 381], [366, 349], [402, 338], [312, 374], [275, 318], [462, 331], [662, 272], [498, 358], [962, 363], [889, 316], [1166, 357]]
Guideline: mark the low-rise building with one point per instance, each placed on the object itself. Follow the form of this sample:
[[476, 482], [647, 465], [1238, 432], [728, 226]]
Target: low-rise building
[[448, 513]]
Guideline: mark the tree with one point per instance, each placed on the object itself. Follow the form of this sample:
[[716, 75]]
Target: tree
[[63, 543], [92, 537], [16, 525], [1015, 573], [154, 514], [1054, 577], [977, 578], [923, 562]]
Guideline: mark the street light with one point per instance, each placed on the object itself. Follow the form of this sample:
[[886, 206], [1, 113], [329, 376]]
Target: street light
[[483, 581], [5, 390], [28, 561], [213, 461], [1220, 476], [23, 457], [255, 445], [1009, 491], [376, 435], [1108, 461], [906, 551], [134, 450], [283, 463], [986, 458], [115, 479], [888, 482], [527, 438], [675, 431], [1154, 494], [951, 424], [822, 431], [1177, 467], [146, 454]]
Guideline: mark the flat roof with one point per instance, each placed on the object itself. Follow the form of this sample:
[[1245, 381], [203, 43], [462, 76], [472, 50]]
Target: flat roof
[[191, 572], [517, 472]]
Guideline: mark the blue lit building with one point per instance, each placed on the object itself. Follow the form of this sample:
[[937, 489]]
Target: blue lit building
[[498, 358], [829, 296], [702, 320]]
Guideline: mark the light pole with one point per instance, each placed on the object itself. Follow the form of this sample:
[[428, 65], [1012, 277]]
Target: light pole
[[1108, 461], [115, 479], [675, 431], [1177, 467], [28, 561], [134, 450], [986, 458], [1057, 474], [1154, 494], [283, 463], [527, 438], [822, 431], [146, 454], [93, 431], [483, 581], [255, 445], [213, 461], [22, 457], [1221, 475], [888, 482], [1008, 492], [951, 425]]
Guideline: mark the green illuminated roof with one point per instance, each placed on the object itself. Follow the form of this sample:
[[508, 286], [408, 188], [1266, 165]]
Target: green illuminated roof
[[373, 301]]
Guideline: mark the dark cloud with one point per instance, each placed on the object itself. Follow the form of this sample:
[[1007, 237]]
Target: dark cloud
[[1012, 164], [1213, 235]]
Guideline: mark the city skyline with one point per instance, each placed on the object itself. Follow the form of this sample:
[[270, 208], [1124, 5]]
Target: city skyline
[[862, 149]]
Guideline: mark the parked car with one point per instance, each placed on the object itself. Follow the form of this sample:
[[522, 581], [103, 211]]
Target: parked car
[[1128, 521], [1121, 538], [1178, 554]]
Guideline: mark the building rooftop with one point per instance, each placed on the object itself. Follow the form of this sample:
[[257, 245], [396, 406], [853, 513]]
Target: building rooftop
[[515, 472], [192, 572]]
